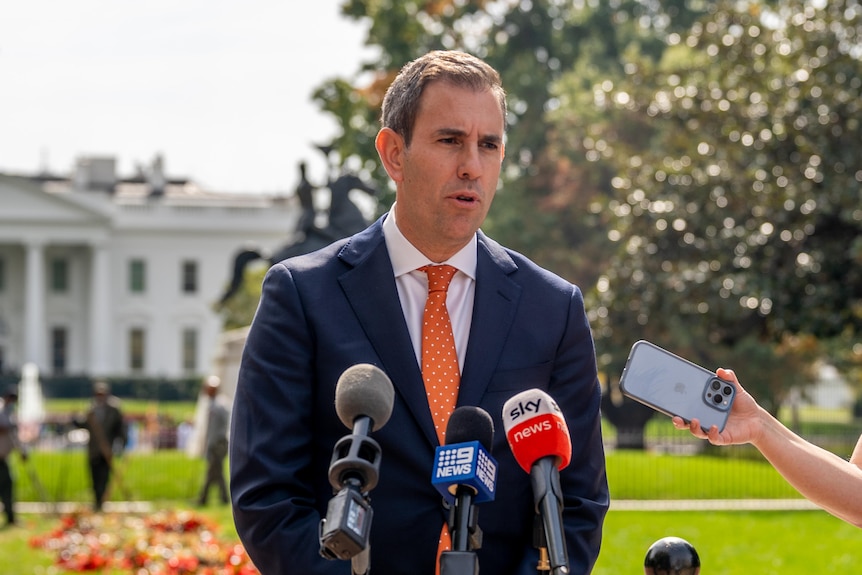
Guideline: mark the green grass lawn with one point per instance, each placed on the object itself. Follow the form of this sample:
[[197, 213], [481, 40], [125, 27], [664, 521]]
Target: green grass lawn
[[166, 475], [735, 543], [729, 542], [645, 475]]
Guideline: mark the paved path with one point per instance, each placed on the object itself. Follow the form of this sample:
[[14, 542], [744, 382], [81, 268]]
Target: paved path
[[712, 505], [73, 506]]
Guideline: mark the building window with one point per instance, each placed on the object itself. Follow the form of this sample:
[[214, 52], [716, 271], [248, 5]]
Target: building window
[[190, 350], [59, 275], [59, 349], [190, 277], [137, 276], [136, 349]]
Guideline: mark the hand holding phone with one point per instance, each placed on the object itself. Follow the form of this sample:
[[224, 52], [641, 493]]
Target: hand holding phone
[[675, 386]]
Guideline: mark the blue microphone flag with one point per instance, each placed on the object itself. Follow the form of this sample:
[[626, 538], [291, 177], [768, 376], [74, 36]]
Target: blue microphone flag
[[467, 464]]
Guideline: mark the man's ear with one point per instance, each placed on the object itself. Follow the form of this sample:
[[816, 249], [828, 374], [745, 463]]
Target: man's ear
[[390, 148]]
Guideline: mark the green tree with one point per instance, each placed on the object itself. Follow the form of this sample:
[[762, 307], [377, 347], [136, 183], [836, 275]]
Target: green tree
[[239, 310], [737, 162]]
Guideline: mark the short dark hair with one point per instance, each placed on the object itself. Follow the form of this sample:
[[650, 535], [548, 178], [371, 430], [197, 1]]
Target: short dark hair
[[401, 102]]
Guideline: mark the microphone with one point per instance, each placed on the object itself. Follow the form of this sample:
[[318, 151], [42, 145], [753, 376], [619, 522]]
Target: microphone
[[539, 439], [465, 474], [364, 397]]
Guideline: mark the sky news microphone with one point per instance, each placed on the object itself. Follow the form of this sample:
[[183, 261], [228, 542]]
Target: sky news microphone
[[539, 438], [364, 397], [465, 474]]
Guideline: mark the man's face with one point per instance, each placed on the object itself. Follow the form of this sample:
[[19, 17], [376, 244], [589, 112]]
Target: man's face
[[449, 172]]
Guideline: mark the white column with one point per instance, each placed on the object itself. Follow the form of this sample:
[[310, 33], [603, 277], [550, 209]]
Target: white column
[[34, 306], [100, 306]]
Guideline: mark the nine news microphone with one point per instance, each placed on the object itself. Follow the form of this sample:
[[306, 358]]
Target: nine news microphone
[[465, 474], [539, 438], [364, 397]]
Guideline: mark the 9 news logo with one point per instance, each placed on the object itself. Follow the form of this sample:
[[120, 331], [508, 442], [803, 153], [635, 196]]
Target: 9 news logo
[[486, 471], [461, 462], [455, 462]]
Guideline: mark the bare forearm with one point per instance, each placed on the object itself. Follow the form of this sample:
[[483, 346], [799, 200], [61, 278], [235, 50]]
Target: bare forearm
[[821, 476]]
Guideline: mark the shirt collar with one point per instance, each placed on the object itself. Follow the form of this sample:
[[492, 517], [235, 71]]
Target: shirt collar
[[406, 258]]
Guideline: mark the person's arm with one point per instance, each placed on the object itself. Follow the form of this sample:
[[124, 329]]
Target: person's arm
[[271, 450], [821, 476], [575, 387]]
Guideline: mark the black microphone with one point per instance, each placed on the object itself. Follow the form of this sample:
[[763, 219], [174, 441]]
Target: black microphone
[[465, 473], [364, 397], [539, 438]]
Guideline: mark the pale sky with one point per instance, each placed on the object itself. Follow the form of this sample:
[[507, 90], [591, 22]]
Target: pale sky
[[221, 88]]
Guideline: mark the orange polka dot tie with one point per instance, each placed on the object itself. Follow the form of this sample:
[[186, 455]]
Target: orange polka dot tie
[[439, 358], [439, 364]]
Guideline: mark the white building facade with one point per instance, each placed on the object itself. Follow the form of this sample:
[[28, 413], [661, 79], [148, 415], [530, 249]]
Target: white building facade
[[119, 278]]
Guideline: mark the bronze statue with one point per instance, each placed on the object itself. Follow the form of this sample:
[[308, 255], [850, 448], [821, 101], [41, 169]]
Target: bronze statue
[[344, 219]]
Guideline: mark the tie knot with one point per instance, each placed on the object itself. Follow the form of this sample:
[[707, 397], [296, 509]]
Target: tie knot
[[439, 277]]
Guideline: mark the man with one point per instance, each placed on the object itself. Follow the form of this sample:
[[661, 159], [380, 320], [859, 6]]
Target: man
[[360, 300], [108, 437], [215, 441], [8, 442]]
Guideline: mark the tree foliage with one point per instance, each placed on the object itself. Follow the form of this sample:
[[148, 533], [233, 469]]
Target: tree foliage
[[737, 162], [239, 310]]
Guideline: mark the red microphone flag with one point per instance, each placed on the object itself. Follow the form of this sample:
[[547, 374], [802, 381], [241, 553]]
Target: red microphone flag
[[535, 428]]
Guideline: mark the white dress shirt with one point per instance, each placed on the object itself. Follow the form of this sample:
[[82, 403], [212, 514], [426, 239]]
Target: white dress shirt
[[412, 286]]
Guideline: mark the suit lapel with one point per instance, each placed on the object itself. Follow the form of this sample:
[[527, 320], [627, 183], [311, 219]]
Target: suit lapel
[[494, 309], [370, 288]]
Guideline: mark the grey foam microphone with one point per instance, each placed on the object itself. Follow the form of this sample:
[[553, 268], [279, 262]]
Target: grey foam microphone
[[363, 390], [364, 398]]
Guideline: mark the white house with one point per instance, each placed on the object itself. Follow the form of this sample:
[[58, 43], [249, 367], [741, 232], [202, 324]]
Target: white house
[[118, 277]]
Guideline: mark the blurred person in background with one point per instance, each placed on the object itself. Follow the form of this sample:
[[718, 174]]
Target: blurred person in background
[[822, 477], [215, 441], [8, 442], [108, 436]]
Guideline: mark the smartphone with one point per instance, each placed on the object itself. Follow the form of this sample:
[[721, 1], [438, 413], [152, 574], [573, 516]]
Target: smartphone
[[675, 386]]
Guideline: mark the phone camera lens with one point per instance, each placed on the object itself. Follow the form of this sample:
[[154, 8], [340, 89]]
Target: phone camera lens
[[727, 390], [715, 385], [717, 398]]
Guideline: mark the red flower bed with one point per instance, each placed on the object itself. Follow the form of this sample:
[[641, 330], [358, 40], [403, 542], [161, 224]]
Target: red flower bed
[[163, 543]]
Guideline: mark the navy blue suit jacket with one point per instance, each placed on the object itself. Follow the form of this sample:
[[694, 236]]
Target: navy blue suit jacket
[[323, 312]]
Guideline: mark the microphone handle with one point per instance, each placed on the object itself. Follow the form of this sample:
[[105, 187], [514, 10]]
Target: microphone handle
[[547, 495], [461, 525], [360, 564]]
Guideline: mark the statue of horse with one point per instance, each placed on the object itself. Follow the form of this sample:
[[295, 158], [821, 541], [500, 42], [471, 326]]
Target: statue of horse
[[344, 219]]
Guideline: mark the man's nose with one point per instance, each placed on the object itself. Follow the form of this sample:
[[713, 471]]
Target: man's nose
[[470, 166]]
